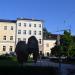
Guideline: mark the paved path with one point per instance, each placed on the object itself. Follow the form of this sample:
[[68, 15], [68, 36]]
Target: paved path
[[66, 69]]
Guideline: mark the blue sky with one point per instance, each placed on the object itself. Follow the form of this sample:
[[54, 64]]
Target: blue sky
[[57, 14]]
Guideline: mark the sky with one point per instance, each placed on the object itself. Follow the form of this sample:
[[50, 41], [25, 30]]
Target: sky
[[57, 14]]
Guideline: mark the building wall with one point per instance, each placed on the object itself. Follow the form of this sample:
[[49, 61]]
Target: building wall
[[32, 28], [45, 45], [8, 32], [8, 44], [48, 44]]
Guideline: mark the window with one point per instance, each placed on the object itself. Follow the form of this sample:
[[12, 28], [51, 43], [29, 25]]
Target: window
[[29, 24], [11, 48], [24, 31], [19, 39], [25, 24], [11, 27], [11, 37], [39, 32], [19, 31], [24, 39], [40, 41], [4, 48], [34, 25], [47, 45], [34, 32], [4, 37], [19, 24], [29, 32], [5, 27], [39, 25]]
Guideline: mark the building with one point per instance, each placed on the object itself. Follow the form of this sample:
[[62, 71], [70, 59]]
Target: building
[[48, 44], [12, 31], [29, 27], [7, 35]]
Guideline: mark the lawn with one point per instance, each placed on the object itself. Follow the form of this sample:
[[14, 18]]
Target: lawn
[[9, 65], [8, 61]]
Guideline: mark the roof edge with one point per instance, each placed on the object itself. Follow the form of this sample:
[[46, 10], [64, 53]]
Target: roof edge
[[6, 20], [30, 19]]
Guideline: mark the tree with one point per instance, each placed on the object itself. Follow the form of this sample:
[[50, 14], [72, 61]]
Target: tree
[[21, 52], [55, 50], [67, 42], [66, 47], [33, 47], [46, 34], [72, 53]]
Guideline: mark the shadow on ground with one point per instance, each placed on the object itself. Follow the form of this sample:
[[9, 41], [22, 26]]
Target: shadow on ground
[[28, 70]]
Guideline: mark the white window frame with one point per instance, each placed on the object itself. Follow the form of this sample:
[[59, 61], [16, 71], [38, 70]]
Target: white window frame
[[4, 48], [29, 32], [19, 24], [11, 37], [19, 31], [24, 31], [5, 27], [12, 28], [4, 37]]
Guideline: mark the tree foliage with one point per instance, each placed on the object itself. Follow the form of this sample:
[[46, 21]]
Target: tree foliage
[[33, 47], [23, 50], [46, 34], [67, 45], [55, 51]]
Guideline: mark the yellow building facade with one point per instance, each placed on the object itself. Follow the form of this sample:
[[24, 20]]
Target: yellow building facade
[[7, 36], [47, 45]]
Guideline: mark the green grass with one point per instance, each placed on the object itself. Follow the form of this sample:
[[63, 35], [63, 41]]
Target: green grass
[[11, 61], [10, 65], [8, 61]]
